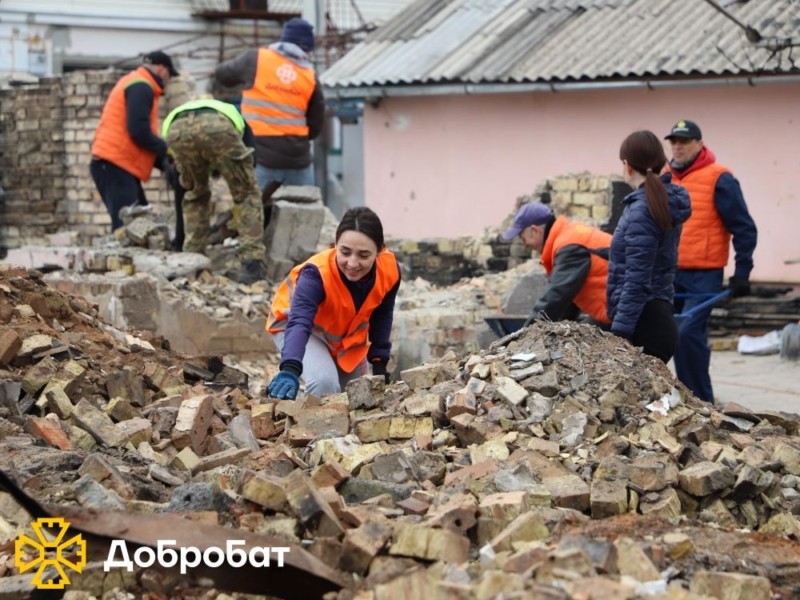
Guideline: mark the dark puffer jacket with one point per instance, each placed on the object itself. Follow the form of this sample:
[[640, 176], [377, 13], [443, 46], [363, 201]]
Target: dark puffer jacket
[[643, 259]]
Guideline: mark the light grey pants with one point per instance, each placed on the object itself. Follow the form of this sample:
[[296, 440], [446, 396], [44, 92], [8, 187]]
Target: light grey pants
[[321, 374]]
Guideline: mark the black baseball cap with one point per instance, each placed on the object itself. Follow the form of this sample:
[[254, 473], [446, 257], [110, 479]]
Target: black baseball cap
[[685, 129], [161, 58]]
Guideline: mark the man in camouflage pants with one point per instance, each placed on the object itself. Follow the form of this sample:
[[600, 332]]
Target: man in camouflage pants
[[208, 134]]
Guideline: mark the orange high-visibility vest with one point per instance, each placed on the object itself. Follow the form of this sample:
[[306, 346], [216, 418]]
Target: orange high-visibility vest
[[705, 243], [112, 141], [591, 299], [345, 332], [278, 100]]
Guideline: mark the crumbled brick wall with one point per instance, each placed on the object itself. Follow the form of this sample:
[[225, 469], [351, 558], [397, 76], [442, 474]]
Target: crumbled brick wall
[[582, 196], [46, 131]]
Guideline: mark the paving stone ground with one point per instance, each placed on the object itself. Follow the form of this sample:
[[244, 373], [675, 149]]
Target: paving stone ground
[[757, 382]]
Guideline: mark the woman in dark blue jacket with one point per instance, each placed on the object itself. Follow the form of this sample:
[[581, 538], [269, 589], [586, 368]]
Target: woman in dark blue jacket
[[644, 249]]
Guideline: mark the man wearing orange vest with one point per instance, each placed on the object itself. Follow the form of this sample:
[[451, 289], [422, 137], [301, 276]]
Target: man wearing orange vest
[[126, 143], [282, 103], [719, 213], [574, 256]]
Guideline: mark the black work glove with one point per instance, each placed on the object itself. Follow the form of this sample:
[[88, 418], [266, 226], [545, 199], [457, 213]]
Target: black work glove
[[739, 286], [532, 318], [379, 368]]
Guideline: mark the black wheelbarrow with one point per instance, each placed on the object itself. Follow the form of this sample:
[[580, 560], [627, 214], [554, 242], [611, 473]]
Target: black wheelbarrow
[[502, 325]]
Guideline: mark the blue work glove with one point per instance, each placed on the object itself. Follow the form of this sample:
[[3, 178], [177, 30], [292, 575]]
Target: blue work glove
[[284, 386], [739, 286], [379, 368]]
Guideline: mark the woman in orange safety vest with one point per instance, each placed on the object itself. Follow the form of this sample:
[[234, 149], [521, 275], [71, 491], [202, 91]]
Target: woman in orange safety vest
[[333, 313]]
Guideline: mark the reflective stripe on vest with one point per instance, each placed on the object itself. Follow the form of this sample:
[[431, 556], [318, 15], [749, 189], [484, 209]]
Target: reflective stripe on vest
[[344, 332], [591, 298], [225, 108], [705, 243], [111, 139], [278, 101]]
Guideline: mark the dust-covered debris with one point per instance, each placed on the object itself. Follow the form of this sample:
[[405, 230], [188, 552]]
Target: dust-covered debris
[[535, 468]]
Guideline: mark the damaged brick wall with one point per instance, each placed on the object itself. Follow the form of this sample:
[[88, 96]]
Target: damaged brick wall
[[32, 162], [45, 149], [581, 196], [46, 131]]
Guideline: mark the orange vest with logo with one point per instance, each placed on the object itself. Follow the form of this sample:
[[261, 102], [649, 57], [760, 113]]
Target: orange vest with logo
[[111, 140], [591, 299], [705, 243], [344, 331], [278, 100]]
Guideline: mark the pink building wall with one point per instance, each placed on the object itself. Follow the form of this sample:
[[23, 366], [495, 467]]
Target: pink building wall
[[446, 166]]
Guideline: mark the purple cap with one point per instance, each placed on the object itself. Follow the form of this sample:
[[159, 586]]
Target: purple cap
[[533, 213]]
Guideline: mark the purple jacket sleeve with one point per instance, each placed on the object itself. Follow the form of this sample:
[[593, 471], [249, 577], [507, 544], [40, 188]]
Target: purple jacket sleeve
[[308, 295], [380, 328]]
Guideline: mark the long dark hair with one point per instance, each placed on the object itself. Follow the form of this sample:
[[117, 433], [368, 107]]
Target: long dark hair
[[643, 152], [364, 220]]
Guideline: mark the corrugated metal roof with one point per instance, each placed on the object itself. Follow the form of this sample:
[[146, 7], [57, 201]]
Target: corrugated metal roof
[[516, 41]]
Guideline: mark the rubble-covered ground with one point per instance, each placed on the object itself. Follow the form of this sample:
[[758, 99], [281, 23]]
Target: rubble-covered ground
[[558, 463]]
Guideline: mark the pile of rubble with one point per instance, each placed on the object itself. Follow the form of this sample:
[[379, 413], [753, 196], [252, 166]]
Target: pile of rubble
[[558, 463]]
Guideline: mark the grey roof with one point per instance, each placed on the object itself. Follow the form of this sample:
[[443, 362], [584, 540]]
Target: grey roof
[[517, 41]]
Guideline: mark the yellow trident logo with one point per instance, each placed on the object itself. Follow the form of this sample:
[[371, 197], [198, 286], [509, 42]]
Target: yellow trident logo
[[58, 559]]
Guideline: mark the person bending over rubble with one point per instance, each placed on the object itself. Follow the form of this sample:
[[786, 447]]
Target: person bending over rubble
[[333, 313], [205, 135], [644, 249], [573, 255], [126, 145]]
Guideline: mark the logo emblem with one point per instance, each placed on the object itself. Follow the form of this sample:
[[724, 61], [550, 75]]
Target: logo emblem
[[48, 553], [286, 74]]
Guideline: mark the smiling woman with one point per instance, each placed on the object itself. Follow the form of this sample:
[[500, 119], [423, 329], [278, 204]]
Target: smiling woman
[[333, 313]]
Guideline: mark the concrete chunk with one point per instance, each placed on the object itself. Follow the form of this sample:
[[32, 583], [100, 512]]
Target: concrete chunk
[[510, 391], [98, 423], [420, 541], [265, 491], [362, 544], [731, 586], [309, 505], [192, 423], [705, 478], [10, 344]]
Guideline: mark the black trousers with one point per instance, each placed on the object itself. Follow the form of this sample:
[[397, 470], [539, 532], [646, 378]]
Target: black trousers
[[117, 188], [656, 331]]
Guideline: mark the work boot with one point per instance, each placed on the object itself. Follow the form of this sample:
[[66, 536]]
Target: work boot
[[251, 271]]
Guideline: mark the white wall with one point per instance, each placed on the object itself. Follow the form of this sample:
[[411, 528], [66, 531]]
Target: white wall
[[451, 166], [44, 36], [42, 39]]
